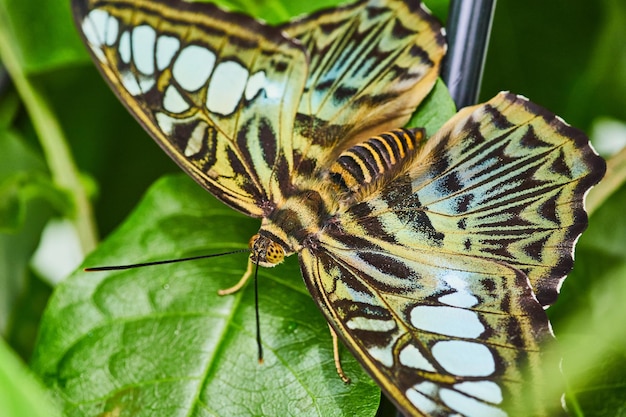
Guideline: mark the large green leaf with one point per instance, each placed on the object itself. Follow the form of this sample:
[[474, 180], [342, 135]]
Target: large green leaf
[[160, 341]]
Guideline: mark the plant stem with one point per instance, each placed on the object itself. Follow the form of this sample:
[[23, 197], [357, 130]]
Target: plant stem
[[64, 172]]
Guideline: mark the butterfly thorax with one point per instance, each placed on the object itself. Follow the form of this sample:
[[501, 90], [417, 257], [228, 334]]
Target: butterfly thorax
[[293, 223]]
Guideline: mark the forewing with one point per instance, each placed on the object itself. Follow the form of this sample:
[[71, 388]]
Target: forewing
[[218, 91], [439, 336], [370, 64]]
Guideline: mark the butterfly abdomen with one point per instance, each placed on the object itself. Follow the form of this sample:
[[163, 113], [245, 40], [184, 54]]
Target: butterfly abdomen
[[366, 162]]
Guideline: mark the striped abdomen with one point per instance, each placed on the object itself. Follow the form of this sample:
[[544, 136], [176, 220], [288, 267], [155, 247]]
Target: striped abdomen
[[367, 161]]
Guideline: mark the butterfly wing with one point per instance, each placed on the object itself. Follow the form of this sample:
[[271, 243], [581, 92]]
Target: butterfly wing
[[243, 107], [370, 64], [217, 91], [439, 337], [506, 181], [433, 279]]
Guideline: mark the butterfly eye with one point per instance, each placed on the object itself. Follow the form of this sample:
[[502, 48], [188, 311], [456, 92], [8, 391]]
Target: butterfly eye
[[253, 241]]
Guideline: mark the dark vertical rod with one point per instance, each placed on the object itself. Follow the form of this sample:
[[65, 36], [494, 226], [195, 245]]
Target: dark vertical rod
[[469, 26]]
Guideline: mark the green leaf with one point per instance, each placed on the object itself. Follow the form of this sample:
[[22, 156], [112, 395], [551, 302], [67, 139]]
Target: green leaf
[[159, 340], [43, 32], [436, 109], [20, 394]]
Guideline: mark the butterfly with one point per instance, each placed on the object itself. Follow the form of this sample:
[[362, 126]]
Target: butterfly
[[432, 260]]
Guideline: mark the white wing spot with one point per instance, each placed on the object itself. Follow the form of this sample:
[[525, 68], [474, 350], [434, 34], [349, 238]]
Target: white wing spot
[[166, 48], [130, 83], [193, 67], [124, 47], [113, 27], [226, 87], [166, 123], [484, 390], [374, 325], [144, 38], [411, 356], [422, 402], [195, 140], [463, 358], [382, 355], [255, 84], [173, 101], [450, 321], [274, 90], [145, 84], [427, 388], [462, 297], [467, 406], [459, 299], [95, 27]]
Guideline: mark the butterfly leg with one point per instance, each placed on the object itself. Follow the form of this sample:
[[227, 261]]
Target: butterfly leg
[[340, 372], [246, 276]]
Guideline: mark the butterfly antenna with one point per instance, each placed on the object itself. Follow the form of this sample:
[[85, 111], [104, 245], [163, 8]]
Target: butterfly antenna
[[168, 261], [256, 312]]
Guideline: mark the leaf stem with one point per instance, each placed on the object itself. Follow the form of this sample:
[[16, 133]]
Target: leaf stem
[[64, 172]]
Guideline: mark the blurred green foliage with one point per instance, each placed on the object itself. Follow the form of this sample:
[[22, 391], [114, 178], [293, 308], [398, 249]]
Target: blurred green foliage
[[568, 56]]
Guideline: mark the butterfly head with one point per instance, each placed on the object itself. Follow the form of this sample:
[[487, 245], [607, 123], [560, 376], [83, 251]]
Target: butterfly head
[[265, 251]]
